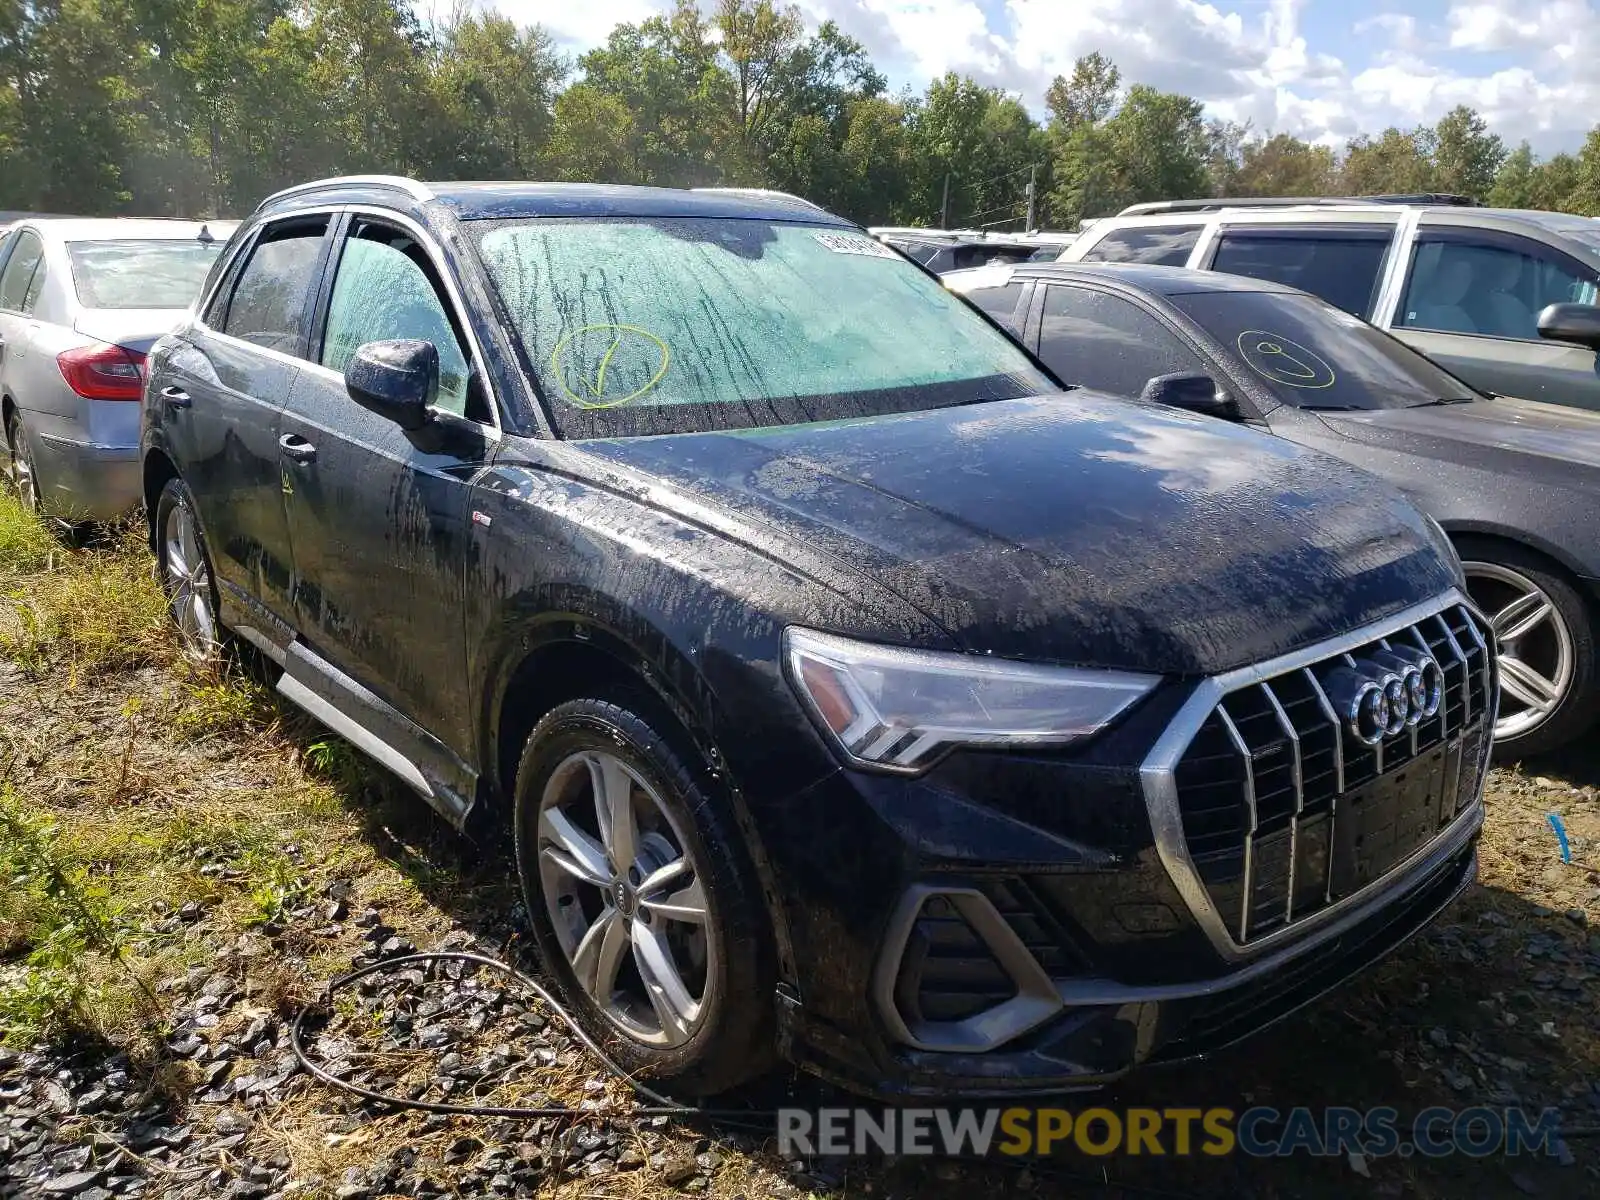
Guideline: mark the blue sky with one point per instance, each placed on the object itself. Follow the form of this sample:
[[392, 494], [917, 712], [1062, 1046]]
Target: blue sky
[[1322, 69]]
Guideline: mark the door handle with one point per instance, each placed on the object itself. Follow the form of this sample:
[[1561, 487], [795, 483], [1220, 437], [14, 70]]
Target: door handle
[[297, 449], [176, 397]]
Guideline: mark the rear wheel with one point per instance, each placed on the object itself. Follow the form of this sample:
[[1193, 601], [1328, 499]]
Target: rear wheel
[[1547, 658], [21, 474], [641, 898], [185, 567]]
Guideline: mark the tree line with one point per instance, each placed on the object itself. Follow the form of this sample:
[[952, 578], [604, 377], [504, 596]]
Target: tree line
[[202, 107]]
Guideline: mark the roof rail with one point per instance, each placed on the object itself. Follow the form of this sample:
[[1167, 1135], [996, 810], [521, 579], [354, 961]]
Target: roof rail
[[1213, 205], [1154, 207], [768, 193], [410, 187]]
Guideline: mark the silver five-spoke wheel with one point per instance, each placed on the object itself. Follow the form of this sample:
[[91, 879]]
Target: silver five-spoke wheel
[[188, 583], [625, 898], [1537, 660]]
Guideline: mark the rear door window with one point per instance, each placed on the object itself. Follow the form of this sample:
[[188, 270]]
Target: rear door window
[[1489, 284], [274, 292], [1162, 245], [1342, 264], [17, 288], [1109, 343]]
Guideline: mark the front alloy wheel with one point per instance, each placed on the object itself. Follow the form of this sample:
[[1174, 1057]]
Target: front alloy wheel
[[1546, 651], [625, 899], [642, 897]]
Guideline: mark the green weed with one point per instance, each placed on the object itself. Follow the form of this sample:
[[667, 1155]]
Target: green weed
[[56, 919]]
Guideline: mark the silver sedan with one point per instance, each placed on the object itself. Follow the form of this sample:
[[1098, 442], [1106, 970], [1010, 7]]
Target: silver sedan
[[81, 303]]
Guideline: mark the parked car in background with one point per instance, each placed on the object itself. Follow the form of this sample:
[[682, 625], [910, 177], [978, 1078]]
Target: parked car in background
[[942, 250], [1506, 299], [1515, 483], [81, 302], [849, 688]]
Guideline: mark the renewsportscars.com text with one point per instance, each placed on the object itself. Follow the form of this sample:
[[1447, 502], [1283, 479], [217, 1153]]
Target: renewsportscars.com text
[[1258, 1132]]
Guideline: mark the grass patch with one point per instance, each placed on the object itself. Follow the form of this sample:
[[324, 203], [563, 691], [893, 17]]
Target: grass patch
[[25, 544], [222, 706], [86, 613], [57, 920]]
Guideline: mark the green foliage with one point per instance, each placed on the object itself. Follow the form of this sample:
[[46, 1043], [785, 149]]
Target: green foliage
[[201, 108], [1466, 156], [1514, 181], [25, 544], [339, 763], [1398, 160], [275, 887], [53, 917], [215, 707], [1284, 165]]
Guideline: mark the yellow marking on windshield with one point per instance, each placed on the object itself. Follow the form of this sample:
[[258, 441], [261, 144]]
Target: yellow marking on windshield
[[1283, 360], [597, 389]]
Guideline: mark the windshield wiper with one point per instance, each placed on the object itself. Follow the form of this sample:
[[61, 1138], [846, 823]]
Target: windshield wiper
[[1330, 408], [1443, 400]]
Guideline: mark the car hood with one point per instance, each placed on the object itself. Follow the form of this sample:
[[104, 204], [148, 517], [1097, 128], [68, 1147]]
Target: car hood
[[1077, 528], [1521, 427], [132, 328]]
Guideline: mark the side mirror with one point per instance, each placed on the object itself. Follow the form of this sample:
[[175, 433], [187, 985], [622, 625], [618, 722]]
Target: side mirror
[[1576, 323], [397, 380], [1193, 393]]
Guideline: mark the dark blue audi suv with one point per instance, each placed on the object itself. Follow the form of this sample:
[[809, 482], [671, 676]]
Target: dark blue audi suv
[[844, 683]]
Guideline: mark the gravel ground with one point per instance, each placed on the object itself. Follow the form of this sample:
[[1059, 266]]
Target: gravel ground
[[249, 860]]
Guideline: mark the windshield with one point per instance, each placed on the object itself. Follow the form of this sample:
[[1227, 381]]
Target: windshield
[[140, 273], [640, 326], [1313, 355]]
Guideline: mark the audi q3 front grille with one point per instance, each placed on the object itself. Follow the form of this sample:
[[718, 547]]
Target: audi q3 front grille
[[1301, 788]]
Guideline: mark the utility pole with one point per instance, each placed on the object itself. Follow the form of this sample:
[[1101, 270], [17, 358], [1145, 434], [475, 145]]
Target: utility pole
[[1033, 174], [944, 206]]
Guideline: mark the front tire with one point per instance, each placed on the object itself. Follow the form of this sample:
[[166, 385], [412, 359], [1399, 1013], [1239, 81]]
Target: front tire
[[186, 578], [641, 898], [1547, 654]]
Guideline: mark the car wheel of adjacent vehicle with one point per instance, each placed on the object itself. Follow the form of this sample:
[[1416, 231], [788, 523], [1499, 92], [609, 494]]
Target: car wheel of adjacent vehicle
[[23, 477], [186, 578], [1546, 648], [641, 899]]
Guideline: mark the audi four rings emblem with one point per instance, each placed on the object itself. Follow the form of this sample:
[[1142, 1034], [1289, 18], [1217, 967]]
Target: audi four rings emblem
[[1379, 695]]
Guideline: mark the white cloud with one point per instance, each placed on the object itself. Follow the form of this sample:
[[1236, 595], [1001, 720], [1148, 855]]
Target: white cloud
[[929, 37], [581, 25], [1399, 33]]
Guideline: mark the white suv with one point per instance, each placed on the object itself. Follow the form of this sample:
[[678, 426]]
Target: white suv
[[1470, 287]]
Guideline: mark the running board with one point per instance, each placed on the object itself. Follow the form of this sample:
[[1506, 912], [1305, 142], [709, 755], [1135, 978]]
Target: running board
[[374, 727]]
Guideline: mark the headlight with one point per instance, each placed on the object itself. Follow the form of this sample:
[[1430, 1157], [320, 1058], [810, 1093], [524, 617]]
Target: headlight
[[899, 710]]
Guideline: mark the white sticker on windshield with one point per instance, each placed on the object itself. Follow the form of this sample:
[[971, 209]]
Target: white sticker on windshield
[[855, 243]]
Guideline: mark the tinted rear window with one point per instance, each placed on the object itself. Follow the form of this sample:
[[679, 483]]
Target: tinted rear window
[[1343, 267], [140, 273], [1167, 246]]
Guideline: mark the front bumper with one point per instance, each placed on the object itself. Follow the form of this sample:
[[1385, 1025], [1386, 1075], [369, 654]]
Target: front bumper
[[86, 481], [1003, 940]]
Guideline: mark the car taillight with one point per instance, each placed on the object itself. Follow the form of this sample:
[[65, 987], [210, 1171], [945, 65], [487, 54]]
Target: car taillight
[[103, 372]]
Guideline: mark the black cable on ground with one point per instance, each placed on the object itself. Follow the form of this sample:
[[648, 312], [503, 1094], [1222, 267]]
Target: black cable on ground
[[660, 1106]]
